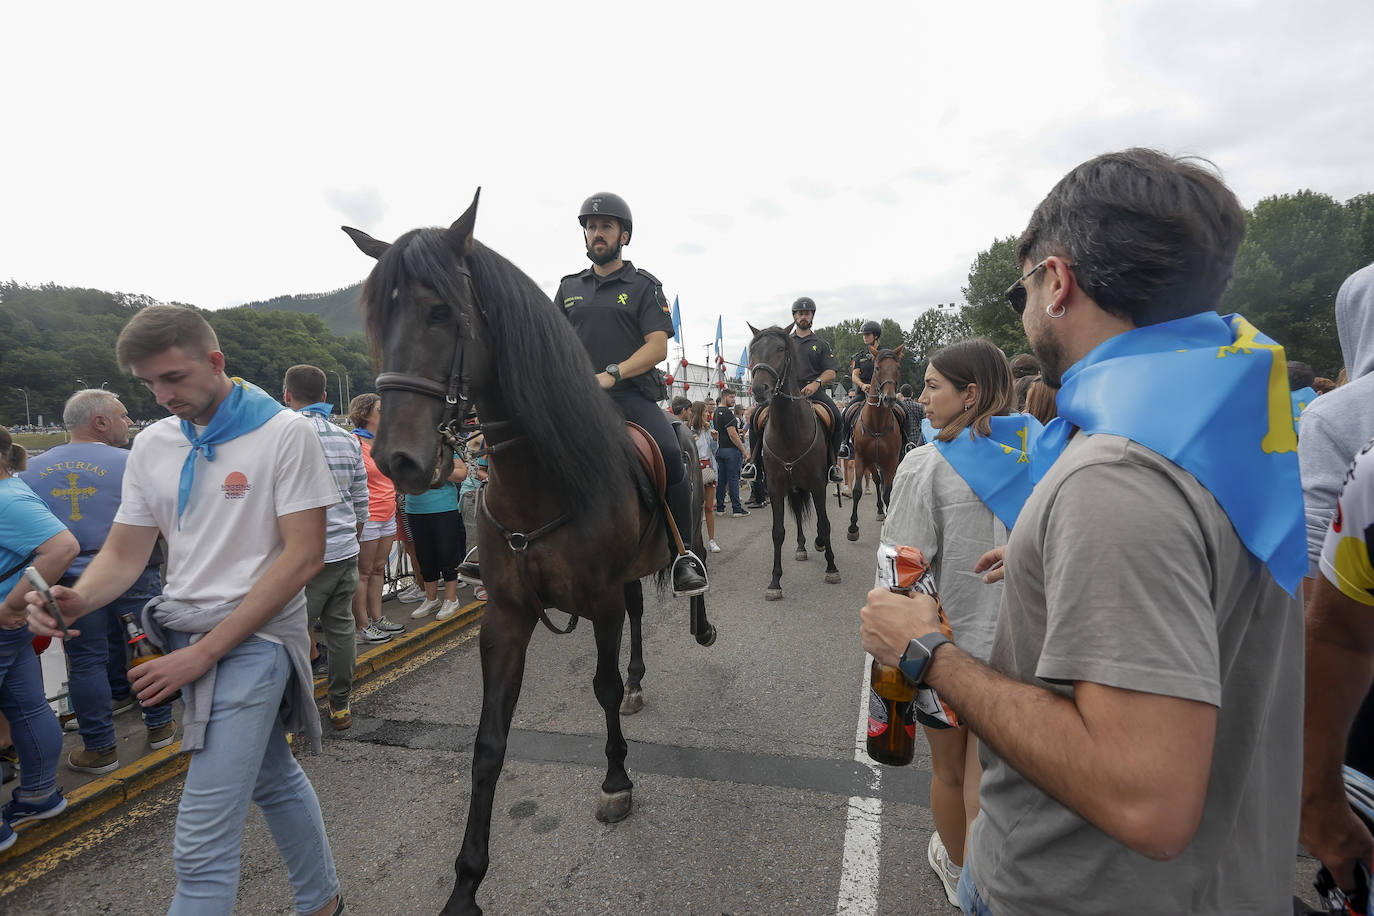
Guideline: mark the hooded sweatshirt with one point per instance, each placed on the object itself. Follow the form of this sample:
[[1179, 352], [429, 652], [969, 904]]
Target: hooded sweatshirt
[[1337, 425]]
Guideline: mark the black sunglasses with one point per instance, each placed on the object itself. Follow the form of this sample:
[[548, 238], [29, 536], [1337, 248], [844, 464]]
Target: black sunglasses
[[1016, 293]]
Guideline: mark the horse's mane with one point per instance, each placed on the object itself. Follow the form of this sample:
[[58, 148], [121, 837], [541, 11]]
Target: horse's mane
[[541, 373]]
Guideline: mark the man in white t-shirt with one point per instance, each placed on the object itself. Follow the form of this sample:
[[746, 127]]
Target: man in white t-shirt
[[243, 512]]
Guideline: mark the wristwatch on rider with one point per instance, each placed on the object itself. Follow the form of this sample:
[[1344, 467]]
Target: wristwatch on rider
[[915, 661], [613, 370]]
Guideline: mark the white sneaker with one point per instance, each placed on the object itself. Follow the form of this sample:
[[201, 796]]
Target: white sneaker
[[448, 609], [427, 607], [411, 595], [373, 633], [938, 857], [713, 546]]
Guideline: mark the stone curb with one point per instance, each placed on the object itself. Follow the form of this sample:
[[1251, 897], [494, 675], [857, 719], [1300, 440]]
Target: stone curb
[[91, 801]]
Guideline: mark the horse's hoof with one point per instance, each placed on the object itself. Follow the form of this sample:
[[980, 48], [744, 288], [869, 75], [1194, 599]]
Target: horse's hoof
[[613, 806], [801, 556], [708, 638], [773, 594], [882, 516], [820, 545], [832, 578], [852, 534], [632, 702]]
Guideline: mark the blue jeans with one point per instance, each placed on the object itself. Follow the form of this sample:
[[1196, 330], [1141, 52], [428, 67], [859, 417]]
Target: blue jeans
[[728, 460], [246, 757], [91, 658], [969, 900], [33, 725]]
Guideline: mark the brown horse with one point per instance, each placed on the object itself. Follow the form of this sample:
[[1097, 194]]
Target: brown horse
[[568, 517], [878, 436], [795, 456]]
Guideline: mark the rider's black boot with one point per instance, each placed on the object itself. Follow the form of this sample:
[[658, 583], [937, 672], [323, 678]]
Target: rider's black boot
[[689, 573]]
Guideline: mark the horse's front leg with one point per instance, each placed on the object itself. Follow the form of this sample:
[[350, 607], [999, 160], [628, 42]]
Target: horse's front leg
[[633, 700], [880, 490], [505, 637], [832, 572], [778, 496], [609, 619], [856, 493]]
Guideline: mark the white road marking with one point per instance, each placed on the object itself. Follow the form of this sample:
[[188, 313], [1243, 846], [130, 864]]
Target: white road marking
[[863, 826]]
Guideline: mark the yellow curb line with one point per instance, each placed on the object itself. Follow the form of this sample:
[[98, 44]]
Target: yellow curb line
[[102, 795]]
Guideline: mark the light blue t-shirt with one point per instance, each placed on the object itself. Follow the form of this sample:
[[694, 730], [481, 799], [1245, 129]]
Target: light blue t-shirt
[[25, 522], [444, 499]]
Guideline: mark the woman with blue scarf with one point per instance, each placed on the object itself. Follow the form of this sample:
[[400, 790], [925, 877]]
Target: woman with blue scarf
[[956, 498]]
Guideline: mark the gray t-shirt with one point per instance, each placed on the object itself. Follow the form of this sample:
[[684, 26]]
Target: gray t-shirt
[[1122, 570], [934, 510]]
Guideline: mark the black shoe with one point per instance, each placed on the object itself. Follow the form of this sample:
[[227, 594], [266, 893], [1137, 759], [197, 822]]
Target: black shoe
[[845, 452], [689, 576], [835, 475], [747, 472], [755, 503], [741, 512], [320, 666], [470, 573]]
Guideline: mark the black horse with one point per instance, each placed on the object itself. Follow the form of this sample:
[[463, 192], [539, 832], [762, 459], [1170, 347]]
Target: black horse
[[568, 518], [795, 457]]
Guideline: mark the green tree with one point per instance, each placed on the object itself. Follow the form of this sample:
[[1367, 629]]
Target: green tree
[[987, 313], [1298, 248], [936, 328]]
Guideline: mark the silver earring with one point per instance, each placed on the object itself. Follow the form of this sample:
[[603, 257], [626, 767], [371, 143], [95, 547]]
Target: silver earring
[[1049, 310]]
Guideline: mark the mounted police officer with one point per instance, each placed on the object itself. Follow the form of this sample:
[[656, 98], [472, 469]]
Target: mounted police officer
[[622, 317], [815, 373], [861, 374]]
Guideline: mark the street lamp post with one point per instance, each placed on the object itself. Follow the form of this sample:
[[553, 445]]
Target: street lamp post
[[104, 383], [339, 382], [80, 382], [27, 421]]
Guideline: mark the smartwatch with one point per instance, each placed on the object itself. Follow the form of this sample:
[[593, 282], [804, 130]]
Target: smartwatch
[[613, 370], [916, 659]]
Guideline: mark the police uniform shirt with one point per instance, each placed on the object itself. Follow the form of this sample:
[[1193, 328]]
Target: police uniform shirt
[[816, 357], [612, 315], [863, 361]]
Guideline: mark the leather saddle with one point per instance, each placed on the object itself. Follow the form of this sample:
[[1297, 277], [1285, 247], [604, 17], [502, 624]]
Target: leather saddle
[[650, 458], [853, 409], [761, 415]]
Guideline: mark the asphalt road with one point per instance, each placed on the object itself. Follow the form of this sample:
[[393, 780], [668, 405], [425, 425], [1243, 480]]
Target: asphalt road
[[749, 797]]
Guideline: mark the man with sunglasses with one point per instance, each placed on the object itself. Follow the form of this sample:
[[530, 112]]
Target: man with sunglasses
[[1139, 713]]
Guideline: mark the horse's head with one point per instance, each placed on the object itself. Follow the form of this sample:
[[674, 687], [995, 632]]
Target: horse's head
[[770, 360], [887, 373], [427, 335]]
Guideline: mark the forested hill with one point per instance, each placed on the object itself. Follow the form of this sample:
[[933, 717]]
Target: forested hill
[[339, 309], [56, 339]]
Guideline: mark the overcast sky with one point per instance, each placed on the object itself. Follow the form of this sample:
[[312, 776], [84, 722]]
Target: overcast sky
[[862, 155]]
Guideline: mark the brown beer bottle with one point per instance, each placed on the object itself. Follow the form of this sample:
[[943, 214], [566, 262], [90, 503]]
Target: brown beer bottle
[[891, 719], [140, 649]]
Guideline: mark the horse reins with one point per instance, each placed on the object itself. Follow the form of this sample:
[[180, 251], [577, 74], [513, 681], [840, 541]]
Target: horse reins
[[779, 378], [869, 401]]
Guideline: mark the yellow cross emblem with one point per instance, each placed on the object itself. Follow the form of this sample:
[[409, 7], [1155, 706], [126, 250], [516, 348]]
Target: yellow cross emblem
[[623, 298], [1007, 449], [1281, 437], [75, 493]]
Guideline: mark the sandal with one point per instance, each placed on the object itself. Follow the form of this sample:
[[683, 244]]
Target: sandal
[[480, 593]]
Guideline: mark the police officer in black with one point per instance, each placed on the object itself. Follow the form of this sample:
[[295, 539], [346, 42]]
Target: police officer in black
[[622, 317], [861, 374], [816, 373]]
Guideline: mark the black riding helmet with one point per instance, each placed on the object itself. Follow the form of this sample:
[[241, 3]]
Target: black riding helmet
[[608, 204], [804, 304], [872, 327]]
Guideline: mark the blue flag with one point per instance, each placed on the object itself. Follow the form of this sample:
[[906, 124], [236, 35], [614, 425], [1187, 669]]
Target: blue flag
[[743, 361], [1301, 398], [677, 322], [718, 335], [997, 468], [1209, 393]]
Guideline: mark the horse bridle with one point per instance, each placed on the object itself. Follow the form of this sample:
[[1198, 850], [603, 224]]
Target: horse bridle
[[780, 377], [452, 394], [869, 400]]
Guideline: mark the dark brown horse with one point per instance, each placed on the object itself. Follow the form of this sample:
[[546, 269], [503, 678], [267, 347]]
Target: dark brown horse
[[795, 457], [878, 436], [567, 519]]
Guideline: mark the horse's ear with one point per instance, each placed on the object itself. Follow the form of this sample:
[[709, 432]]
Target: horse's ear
[[752, 330], [459, 235], [898, 351], [366, 243], [790, 325], [873, 348]]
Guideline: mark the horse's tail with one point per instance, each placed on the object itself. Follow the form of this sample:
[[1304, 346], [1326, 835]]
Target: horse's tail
[[799, 501]]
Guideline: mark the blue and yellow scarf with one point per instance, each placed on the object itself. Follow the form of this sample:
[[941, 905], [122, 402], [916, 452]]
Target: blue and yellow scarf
[[1209, 393], [245, 409], [1301, 398], [997, 467]]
